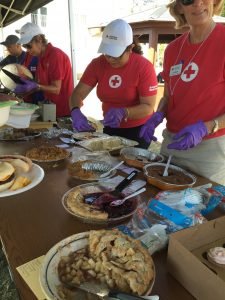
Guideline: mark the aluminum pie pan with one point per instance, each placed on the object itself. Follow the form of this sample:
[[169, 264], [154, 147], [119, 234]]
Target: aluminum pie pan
[[109, 143], [82, 136], [162, 184], [138, 157], [90, 169]]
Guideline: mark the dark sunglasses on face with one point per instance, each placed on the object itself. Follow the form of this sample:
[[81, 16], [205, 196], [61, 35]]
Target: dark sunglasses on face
[[28, 46], [187, 2], [115, 58]]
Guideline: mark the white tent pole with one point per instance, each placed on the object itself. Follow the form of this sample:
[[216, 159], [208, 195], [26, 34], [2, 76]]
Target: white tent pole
[[71, 8]]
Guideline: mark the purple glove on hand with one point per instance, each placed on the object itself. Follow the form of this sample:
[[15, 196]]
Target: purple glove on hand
[[148, 129], [80, 122], [26, 87], [189, 136], [114, 117]]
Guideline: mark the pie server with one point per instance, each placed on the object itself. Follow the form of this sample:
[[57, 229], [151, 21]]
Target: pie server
[[12, 76], [116, 192], [101, 290]]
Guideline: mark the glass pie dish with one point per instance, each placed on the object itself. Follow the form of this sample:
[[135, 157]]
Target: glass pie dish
[[177, 179], [74, 203]]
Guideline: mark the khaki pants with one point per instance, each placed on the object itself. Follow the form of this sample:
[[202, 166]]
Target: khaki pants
[[206, 159]]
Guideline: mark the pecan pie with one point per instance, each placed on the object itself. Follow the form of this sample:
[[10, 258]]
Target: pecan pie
[[47, 153]]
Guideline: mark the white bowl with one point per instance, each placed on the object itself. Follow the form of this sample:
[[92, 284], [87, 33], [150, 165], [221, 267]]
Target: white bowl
[[4, 111]]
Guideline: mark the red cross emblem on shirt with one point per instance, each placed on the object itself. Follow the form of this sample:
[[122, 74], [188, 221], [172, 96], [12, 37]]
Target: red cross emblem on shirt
[[115, 81], [190, 72]]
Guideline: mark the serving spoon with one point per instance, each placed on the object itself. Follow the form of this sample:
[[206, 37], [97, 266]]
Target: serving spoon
[[121, 201], [165, 173]]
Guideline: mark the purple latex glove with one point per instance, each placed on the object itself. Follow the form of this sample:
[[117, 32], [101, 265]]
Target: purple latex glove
[[26, 87], [148, 129], [114, 117], [189, 136], [80, 122]]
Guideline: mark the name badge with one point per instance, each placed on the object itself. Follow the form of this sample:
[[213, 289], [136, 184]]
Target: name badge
[[176, 70]]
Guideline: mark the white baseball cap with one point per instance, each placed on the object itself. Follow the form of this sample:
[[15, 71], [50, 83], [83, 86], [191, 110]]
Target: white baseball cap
[[117, 35], [27, 32]]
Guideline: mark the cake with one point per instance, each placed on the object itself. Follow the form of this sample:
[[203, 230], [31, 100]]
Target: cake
[[216, 256]]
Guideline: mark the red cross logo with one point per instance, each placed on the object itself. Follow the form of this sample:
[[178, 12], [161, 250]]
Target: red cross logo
[[115, 81], [190, 72]]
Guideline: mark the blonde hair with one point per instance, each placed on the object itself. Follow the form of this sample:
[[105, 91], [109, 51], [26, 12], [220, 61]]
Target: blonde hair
[[180, 19]]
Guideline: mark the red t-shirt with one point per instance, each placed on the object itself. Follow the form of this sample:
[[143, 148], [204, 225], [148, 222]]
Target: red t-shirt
[[122, 87], [54, 64], [198, 92]]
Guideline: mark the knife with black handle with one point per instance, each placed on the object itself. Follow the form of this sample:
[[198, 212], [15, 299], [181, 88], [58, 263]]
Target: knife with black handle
[[17, 79], [124, 183]]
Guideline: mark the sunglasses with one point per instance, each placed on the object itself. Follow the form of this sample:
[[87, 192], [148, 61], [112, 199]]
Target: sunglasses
[[187, 2], [115, 58], [27, 46]]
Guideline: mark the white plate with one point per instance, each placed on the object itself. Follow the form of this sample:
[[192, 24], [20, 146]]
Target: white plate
[[49, 271], [48, 275], [36, 174]]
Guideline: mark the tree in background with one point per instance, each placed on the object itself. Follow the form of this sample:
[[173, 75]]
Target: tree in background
[[223, 11]]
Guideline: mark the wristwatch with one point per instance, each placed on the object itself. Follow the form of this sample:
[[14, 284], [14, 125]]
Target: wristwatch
[[215, 126]]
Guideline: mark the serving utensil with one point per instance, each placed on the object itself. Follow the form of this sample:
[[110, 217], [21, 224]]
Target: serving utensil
[[108, 172], [103, 197], [121, 201], [165, 173], [101, 290], [71, 141], [17, 79]]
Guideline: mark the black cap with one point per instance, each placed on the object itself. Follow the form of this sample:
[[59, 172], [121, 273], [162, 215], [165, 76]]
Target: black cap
[[10, 40]]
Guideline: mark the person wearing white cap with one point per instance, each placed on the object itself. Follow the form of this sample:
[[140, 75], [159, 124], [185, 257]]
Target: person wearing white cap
[[54, 71], [126, 85]]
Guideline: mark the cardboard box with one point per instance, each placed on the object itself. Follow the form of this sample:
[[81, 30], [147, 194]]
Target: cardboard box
[[187, 259]]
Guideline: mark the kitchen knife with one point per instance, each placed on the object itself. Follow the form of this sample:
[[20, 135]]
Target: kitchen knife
[[12, 76], [101, 290]]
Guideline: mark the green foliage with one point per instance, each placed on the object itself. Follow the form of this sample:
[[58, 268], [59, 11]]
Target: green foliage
[[223, 11]]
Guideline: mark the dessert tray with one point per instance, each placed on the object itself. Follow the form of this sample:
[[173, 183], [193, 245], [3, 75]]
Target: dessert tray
[[15, 134], [109, 143]]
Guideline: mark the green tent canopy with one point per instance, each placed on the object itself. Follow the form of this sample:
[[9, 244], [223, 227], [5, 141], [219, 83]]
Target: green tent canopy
[[12, 10]]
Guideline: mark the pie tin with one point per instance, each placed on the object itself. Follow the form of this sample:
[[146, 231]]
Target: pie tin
[[96, 167], [138, 157], [110, 143]]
